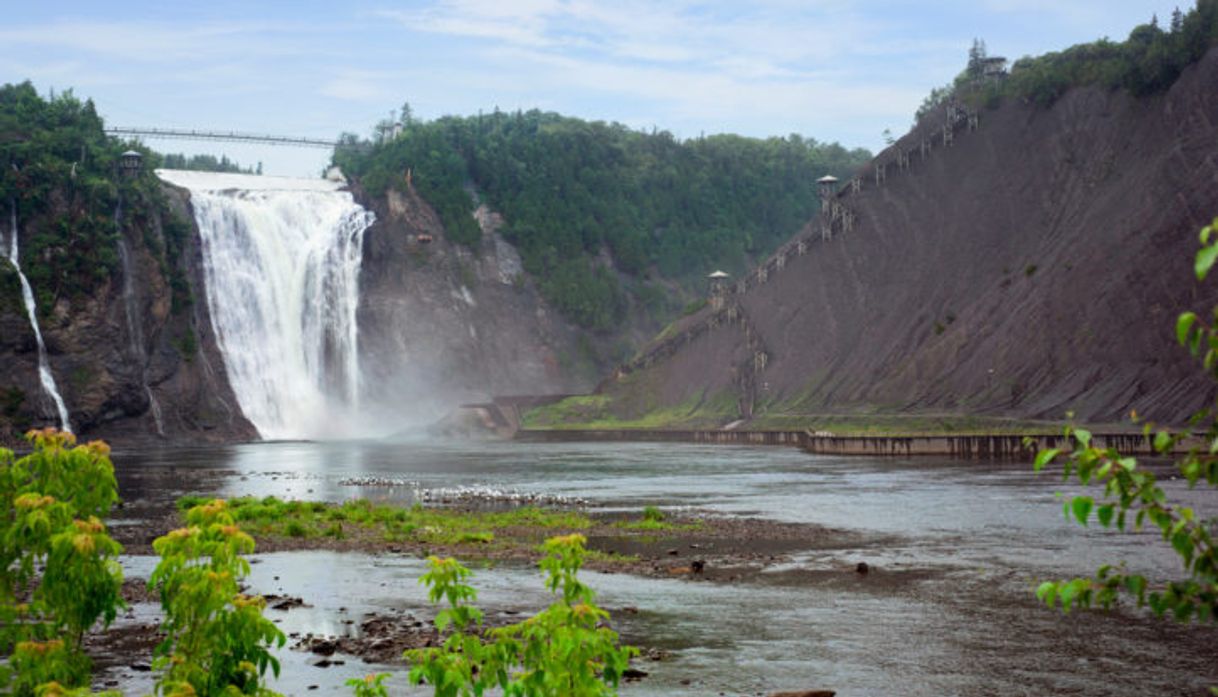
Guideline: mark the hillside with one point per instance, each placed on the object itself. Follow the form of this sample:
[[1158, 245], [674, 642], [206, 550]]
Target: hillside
[[615, 226], [1031, 267]]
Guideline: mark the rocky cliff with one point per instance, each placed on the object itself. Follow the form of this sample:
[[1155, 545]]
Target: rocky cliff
[[441, 324], [130, 362], [1029, 267]]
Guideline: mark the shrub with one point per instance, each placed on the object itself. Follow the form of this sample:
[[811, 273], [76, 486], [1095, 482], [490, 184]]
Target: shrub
[[565, 650], [56, 558], [217, 640]]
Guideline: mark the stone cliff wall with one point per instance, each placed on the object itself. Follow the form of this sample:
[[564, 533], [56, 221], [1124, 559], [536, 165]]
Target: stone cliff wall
[[128, 363], [441, 324]]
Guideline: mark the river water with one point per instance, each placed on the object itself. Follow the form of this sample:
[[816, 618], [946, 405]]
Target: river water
[[956, 548]]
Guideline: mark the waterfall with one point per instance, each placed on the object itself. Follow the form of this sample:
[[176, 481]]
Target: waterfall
[[27, 294], [281, 266]]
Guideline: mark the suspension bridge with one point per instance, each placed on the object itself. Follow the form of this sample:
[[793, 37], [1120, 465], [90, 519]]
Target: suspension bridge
[[229, 137]]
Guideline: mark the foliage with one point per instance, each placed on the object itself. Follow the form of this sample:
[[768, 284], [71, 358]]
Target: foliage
[[565, 650], [206, 163], [1148, 62], [305, 519], [1132, 497], [218, 642], [371, 685], [59, 573], [576, 194]]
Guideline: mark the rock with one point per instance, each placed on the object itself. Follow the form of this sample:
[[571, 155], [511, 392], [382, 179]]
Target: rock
[[804, 693], [862, 568], [698, 566], [633, 674], [673, 552], [324, 647]]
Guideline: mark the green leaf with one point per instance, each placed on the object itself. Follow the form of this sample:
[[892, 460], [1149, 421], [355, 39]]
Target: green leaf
[[1081, 505], [1184, 325], [1047, 592], [1104, 514], [1183, 544], [1083, 436], [1162, 442], [1205, 260], [1044, 457]]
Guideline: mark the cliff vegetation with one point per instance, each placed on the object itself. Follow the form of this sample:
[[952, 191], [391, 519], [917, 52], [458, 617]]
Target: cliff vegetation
[[597, 209]]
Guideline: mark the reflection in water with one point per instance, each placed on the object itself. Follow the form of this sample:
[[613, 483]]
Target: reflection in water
[[957, 547]]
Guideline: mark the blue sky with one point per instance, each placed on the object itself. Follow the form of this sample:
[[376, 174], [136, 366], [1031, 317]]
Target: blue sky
[[828, 69]]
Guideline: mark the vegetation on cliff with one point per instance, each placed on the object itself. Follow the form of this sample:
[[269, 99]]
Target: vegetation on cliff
[[1148, 62], [576, 193], [60, 172]]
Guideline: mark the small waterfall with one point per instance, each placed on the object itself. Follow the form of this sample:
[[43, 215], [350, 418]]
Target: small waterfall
[[135, 325], [27, 294], [135, 331], [155, 407], [281, 264]]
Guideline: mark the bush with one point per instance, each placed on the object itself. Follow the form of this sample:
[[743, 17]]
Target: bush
[[565, 650], [217, 641]]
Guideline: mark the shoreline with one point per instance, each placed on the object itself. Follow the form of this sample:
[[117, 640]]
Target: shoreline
[[982, 446]]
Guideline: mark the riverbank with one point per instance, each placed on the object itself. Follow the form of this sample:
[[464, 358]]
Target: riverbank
[[959, 445]]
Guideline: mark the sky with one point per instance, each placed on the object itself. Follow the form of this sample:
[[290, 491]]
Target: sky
[[832, 70]]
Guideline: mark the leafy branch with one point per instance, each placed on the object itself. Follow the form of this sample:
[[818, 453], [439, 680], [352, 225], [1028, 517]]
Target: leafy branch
[[1133, 499]]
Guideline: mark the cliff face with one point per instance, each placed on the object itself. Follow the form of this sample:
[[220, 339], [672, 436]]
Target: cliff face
[[441, 324], [1034, 266], [127, 365]]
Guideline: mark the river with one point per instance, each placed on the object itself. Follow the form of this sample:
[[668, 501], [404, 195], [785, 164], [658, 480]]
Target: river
[[956, 548]]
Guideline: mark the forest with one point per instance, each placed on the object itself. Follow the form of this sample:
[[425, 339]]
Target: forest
[[600, 212]]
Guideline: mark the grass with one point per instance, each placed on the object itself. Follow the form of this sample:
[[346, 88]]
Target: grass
[[655, 520], [592, 412], [273, 517]]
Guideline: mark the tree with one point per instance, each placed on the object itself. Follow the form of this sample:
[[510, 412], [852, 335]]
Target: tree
[[1131, 497], [1177, 20], [976, 59]]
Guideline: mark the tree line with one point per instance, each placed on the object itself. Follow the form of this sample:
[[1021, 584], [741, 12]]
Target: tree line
[[599, 211], [1147, 62]]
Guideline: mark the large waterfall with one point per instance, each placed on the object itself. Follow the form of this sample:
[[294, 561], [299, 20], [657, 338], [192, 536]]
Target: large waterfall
[[281, 262]]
